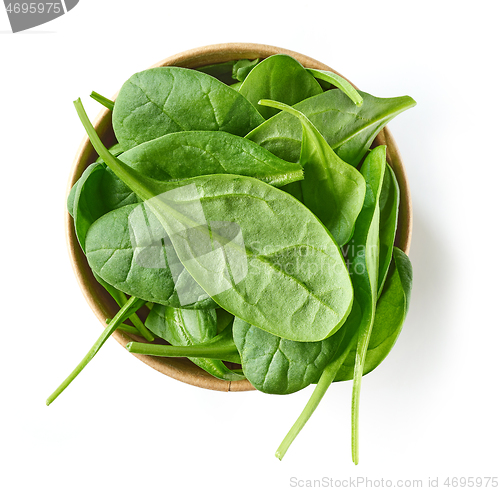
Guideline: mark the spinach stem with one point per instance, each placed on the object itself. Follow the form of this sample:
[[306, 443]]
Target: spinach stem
[[364, 339], [339, 82], [103, 100], [221, 347], [141, 328], [131, 305], [128, 175], [322, 386], [200, 351], [126, 328], [121, 299], [326, 379], [173, 351]]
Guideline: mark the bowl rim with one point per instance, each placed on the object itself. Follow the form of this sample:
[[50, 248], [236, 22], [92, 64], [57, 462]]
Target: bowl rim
[[100, 301]]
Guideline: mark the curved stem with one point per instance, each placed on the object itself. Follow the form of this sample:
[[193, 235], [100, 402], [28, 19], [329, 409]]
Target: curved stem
[[131, 305], [322, 386], [339, 82], [125, 173], [324, 382]]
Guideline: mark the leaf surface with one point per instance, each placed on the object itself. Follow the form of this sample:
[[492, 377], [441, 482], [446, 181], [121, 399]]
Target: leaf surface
[[389, 208], [159, 101], [280, 78], [279, 366], [348, 129], [332, 189], [183, 327]]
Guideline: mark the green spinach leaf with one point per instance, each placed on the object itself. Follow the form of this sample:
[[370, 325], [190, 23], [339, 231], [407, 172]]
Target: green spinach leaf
[[242, 68], [165, 97], [332, 189], [85, 209], [280, 78], [199, 153], [389, 208], [129, 249], [348, 129], [279, 366]]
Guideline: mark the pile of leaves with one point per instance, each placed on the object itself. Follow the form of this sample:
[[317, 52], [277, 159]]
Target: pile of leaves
[[244, 207]]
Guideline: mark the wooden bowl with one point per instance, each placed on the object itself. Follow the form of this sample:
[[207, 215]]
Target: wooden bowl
[[101, 302]]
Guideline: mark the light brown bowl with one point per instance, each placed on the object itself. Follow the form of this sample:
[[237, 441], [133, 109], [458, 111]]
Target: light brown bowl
[[101, 302]]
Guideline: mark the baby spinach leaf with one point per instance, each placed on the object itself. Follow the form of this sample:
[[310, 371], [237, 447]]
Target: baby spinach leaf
[[348, 129], [279, 366], [363, 258], [198, 153], [328, 180], [242, 68], [389, 207], [183, 327], [87, 210], [97, 192], [158, 101], [339, 82], [280, 78], [392, 307], [129, 249], [70, 201], [246, 270], [221, 347]]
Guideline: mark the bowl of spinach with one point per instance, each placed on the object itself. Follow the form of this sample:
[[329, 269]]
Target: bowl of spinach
[[239, 218]]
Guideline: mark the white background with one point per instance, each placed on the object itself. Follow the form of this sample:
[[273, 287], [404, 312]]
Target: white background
[[431, 409]]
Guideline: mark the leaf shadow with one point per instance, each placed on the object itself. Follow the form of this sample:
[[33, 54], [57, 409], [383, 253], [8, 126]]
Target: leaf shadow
[[419, 352]]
